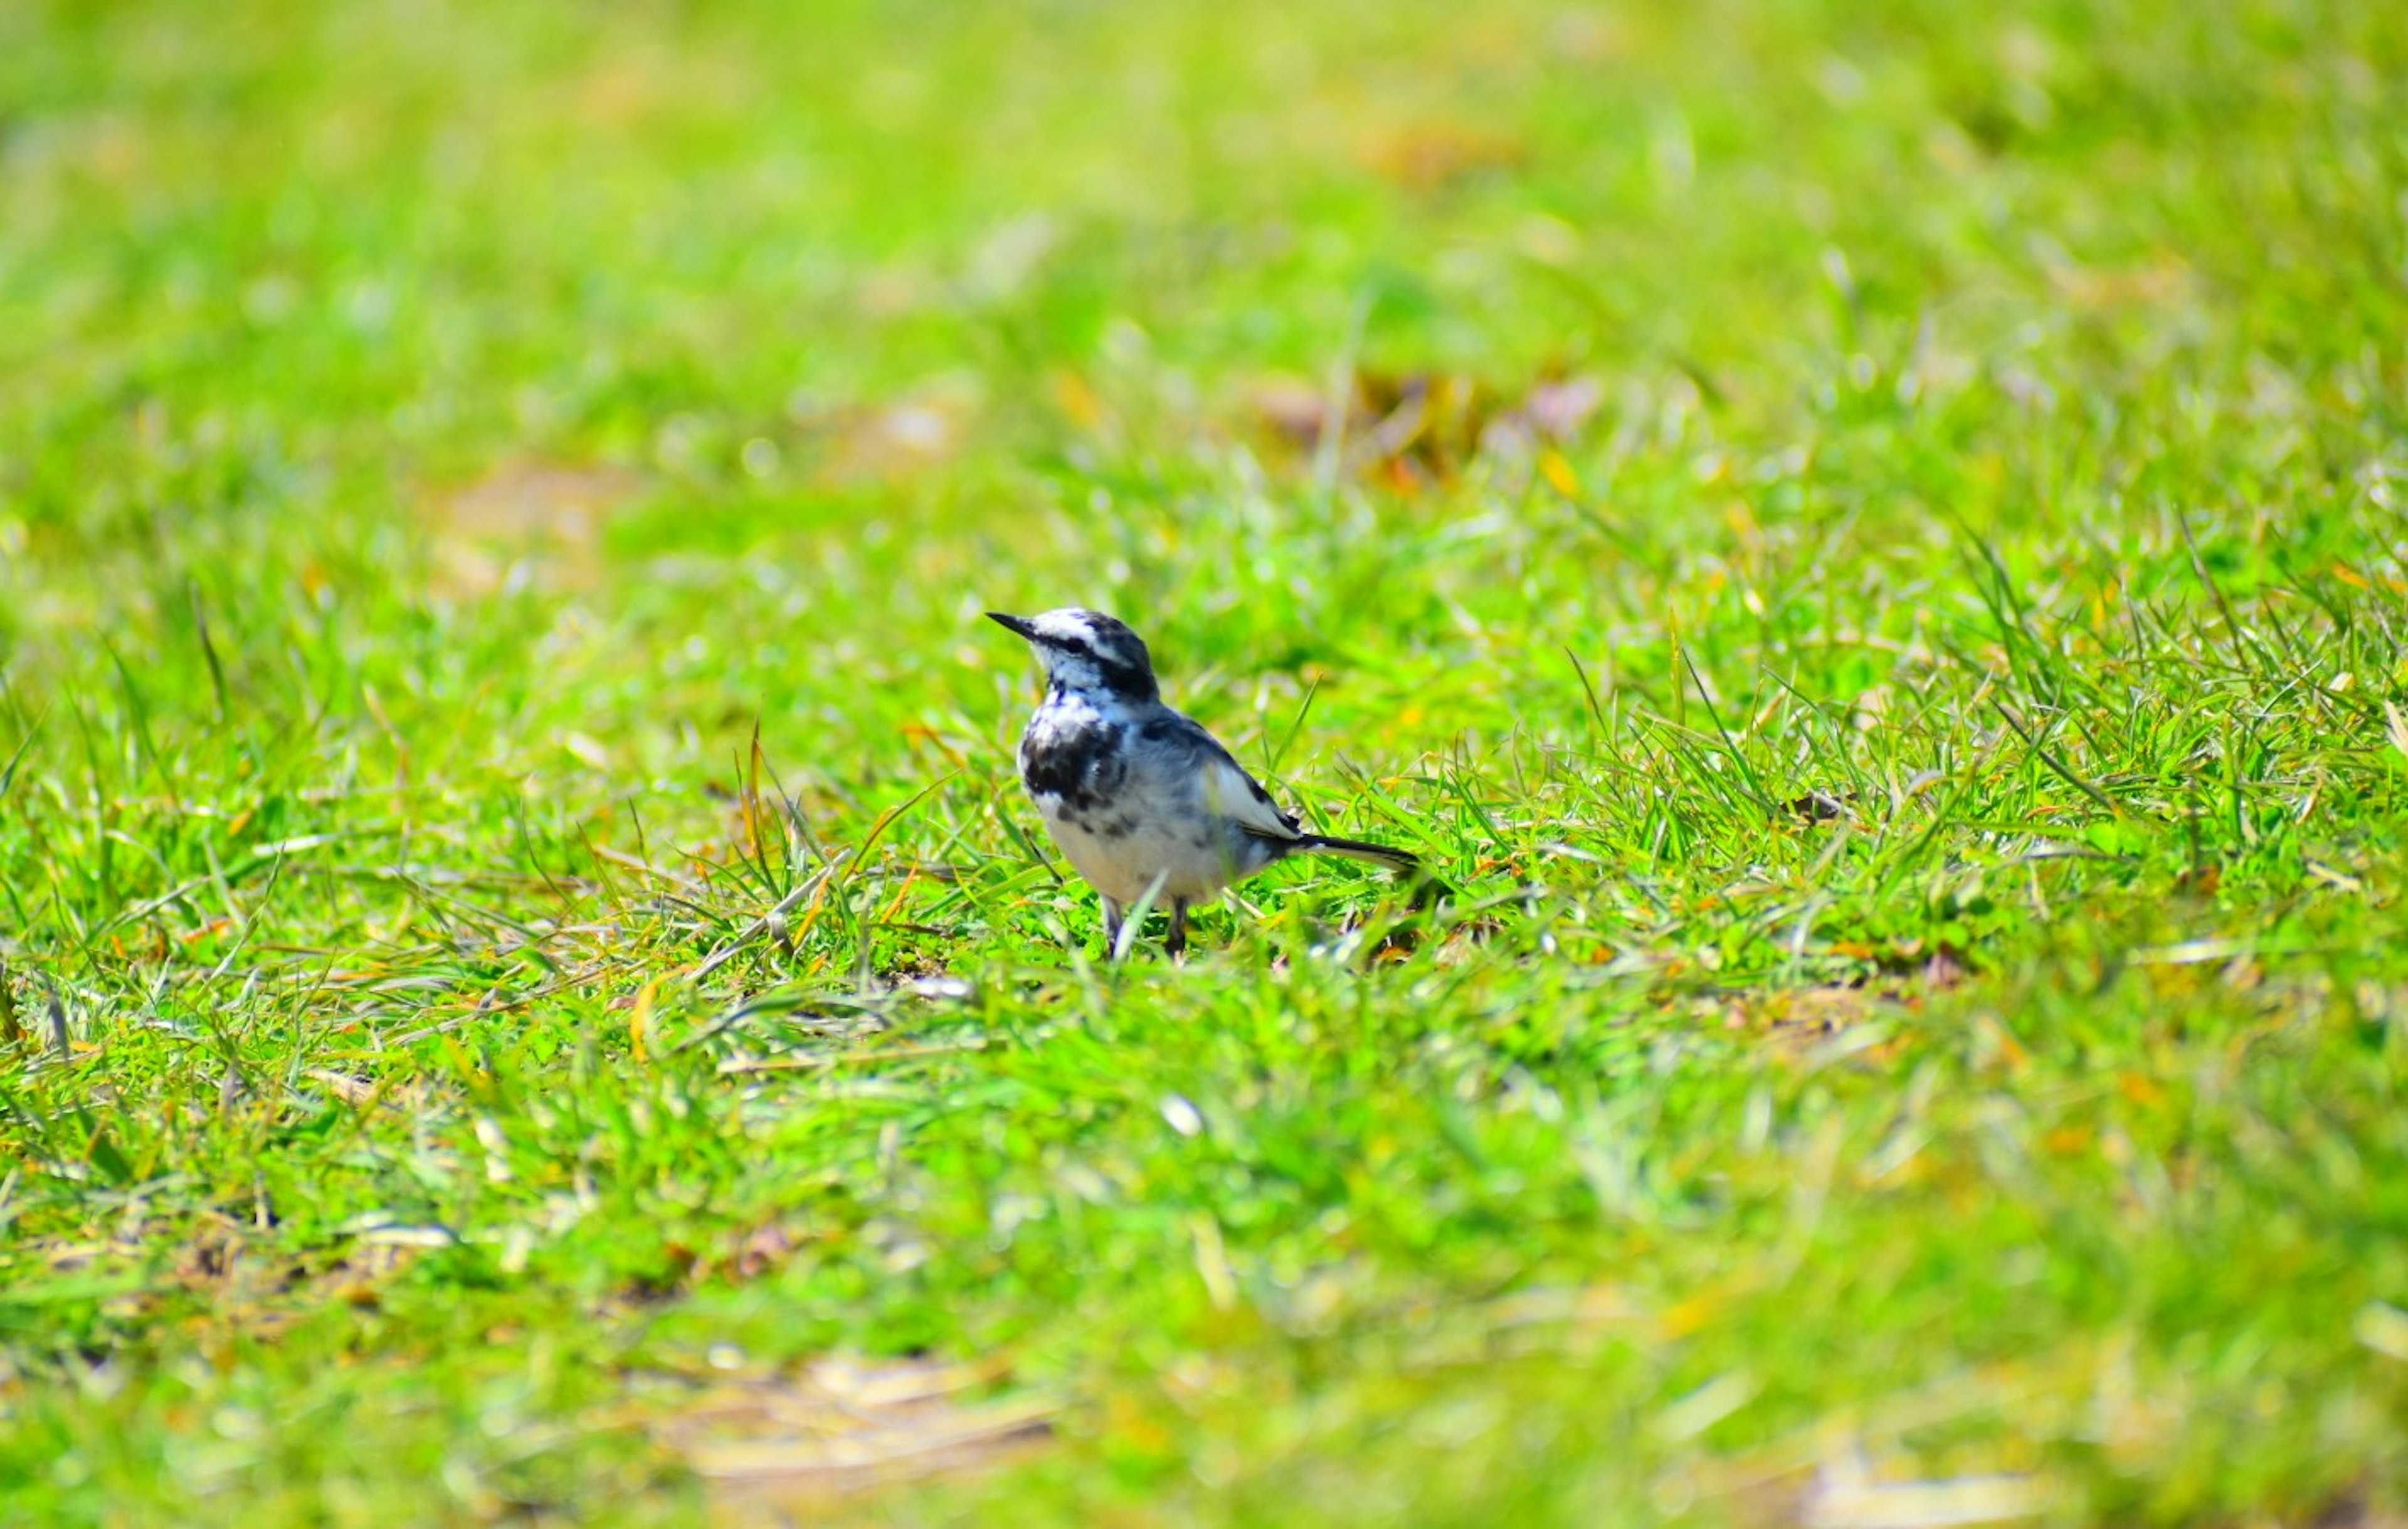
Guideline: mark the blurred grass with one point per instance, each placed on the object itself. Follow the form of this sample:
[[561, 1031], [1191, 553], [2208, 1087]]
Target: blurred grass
[[1867, 541]]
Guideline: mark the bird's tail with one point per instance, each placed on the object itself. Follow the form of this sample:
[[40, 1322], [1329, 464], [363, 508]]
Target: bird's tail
[[1355, 850], [1404, 862]]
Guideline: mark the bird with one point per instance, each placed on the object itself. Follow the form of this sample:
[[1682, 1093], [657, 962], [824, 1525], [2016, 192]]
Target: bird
[[1145, 803]]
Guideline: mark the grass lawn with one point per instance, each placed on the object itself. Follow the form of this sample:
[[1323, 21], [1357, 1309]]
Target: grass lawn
[[1869, 542]]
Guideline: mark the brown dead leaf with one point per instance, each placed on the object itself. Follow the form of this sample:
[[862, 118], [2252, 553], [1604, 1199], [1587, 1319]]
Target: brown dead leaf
[[923, 430], [1551, 414], [1945, 967], [1800, 1015], [2163, 282], [1401, 430], [358, 1092], [1409, 429], [1289, 408], [546, 516], [1433, 156], [764, 1251], [257, 1292], [11, 1031], [1432, 424]]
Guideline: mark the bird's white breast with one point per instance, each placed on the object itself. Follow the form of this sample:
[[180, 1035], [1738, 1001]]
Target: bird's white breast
[[1121, 855], [1132, 812]]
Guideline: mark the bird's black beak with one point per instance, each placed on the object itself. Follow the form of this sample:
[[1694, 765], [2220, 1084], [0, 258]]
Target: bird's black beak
[[1012, 625]]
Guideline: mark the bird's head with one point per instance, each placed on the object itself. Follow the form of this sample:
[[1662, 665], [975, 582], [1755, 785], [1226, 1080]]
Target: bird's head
[[1087, 651]]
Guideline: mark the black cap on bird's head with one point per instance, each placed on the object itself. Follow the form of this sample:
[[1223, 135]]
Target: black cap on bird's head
[[1087, 650]]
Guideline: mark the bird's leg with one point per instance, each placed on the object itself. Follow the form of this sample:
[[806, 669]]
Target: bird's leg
[[1175, 942], [1113, 913]]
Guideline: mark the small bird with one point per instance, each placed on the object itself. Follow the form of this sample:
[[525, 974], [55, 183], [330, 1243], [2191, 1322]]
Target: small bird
[[1142, 799]]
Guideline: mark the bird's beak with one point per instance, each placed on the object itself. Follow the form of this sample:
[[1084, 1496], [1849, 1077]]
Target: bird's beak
[[1014, 625]]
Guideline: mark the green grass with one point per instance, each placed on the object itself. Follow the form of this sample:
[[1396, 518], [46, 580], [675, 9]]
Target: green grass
[[494, 500]]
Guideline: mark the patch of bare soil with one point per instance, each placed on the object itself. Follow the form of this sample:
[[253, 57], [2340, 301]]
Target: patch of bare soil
[[784, 1447]]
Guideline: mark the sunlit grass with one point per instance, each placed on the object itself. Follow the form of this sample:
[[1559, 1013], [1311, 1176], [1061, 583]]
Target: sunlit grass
[[1865, 543]]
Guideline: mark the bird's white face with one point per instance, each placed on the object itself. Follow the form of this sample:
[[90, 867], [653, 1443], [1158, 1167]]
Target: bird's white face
[[1067, 629], [1088, 652]]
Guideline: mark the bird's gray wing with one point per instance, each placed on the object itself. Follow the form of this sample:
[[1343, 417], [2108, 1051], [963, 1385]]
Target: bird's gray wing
[[1227, 788]]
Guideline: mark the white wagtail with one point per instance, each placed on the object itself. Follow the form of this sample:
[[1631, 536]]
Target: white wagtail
[[1145, 803]]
